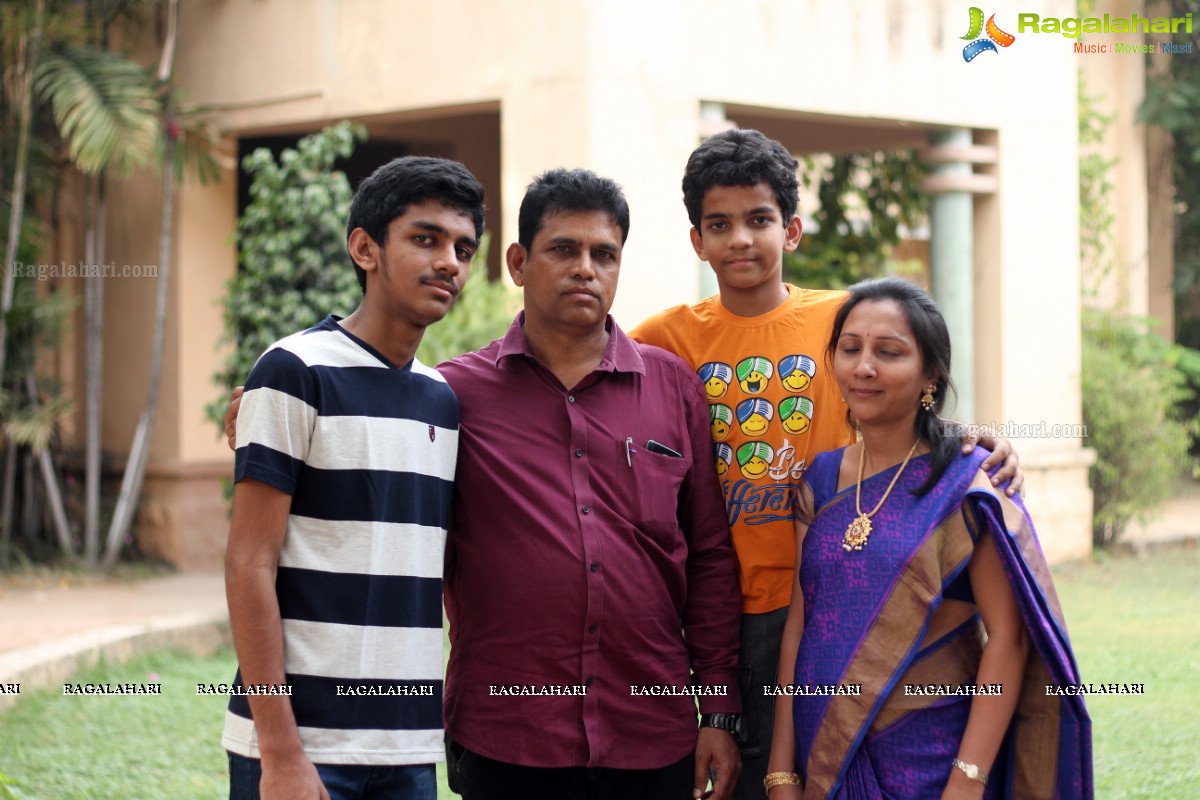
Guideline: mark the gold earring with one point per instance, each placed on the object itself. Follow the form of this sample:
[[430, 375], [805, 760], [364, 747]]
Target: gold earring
[[927, 398]]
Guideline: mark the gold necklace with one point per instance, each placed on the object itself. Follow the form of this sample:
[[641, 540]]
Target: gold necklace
[[859, 530]]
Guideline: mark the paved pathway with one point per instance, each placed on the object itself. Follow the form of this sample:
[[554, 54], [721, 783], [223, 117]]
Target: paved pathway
[[34, 612], [49, 631], [1180, 520]]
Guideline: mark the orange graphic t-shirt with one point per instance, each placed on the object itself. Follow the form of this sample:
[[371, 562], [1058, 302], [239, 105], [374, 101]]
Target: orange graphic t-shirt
[[773, 405]]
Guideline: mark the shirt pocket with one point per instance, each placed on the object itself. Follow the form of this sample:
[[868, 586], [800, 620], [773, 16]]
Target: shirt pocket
[[655, 483]]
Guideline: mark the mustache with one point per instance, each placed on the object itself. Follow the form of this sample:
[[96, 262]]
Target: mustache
[[449, 285]]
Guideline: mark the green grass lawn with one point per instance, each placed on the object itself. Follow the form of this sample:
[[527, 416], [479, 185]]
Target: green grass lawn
[[151, 747], [1132, 621], [1138, 621], [165, 746]]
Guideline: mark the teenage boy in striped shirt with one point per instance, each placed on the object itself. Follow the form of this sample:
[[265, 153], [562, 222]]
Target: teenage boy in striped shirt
[[346, 451]]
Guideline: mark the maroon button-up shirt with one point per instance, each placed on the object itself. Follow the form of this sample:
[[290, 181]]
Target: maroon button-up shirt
[[580, 557]]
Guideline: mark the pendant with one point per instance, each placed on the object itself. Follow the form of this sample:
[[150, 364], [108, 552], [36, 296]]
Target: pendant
[[857, 534]]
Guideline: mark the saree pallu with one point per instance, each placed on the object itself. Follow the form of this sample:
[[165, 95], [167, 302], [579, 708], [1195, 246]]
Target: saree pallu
[[879, 712]]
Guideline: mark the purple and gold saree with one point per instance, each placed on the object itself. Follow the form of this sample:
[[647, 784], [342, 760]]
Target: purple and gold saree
[[865, 618]]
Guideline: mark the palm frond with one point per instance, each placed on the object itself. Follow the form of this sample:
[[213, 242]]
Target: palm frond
[[195, 144], [35, 429], [104, 104]]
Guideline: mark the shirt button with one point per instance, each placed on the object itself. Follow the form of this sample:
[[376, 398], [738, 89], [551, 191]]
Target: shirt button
[[589, 681], [591, 628], [586, 510], [595, 566], [579, 453], [570, 398]]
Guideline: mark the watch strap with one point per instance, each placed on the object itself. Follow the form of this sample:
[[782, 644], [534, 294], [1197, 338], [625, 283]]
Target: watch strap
[[731, 723], [726, 722]]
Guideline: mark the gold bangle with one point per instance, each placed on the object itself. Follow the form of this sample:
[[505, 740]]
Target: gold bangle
[[774, 779]]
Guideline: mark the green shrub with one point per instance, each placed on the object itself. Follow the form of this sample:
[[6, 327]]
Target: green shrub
[[1132, 389], [292, 264], [293, 269], [864, 200]]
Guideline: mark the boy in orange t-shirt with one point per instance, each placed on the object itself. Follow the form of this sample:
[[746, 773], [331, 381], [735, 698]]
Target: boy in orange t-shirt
[[759, 348]]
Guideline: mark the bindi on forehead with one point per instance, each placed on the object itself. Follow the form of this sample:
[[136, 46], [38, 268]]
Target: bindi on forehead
[[878, 319]]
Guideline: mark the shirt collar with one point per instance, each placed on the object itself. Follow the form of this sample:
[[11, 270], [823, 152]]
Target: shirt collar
[[620, 355]]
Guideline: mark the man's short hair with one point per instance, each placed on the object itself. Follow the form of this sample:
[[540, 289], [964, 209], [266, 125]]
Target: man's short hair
[[390, 190], [740, 157], [562, 190]]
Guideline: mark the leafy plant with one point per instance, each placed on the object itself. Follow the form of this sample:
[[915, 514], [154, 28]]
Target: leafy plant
[[1096, 216], [292, 264], [294, 269], [1173, 103], [865, 199], [104, 104], [34, 324], [79, 104], [1132, 386]]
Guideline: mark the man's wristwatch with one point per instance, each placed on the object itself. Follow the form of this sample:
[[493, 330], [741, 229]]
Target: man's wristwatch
[[971, 771], [726, 722]]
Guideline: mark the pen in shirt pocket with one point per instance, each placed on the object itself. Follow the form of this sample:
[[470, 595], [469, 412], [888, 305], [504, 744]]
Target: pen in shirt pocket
[[629, 448]]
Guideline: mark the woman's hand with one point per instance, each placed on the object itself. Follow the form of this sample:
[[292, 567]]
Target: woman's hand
[[960, 787], [1003, 456]]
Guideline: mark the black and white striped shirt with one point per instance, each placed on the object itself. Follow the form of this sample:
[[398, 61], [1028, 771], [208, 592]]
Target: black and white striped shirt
[[367, 451]]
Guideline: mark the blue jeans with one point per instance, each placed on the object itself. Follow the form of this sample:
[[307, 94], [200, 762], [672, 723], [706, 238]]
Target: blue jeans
[[344, 781]]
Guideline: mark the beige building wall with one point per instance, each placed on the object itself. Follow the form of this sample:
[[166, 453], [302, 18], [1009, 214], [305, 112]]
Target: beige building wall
[[1142, 258], [617, 86], [181, 517], [1119, 86]]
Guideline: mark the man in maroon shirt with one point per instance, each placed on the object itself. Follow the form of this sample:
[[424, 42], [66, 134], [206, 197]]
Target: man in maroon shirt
[[590, 582]]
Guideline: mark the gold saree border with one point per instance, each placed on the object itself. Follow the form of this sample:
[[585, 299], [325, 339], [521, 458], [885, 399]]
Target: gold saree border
[[1036, 727], [896, 629], [954, 663]]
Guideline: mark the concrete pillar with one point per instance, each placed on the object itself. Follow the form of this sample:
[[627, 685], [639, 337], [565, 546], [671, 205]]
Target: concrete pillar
[[951, 268], [952, 182], [712, 122]]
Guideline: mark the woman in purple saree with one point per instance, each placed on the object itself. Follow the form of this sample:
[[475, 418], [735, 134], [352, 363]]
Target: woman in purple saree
[[924, 637]]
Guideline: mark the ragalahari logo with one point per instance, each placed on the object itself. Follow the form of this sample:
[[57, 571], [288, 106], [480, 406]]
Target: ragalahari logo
[[995, 36]]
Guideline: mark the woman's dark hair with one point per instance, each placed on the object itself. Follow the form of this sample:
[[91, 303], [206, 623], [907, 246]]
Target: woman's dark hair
[[933, 339]]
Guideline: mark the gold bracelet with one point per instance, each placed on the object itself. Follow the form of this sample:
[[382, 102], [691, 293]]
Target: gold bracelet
[[774, 779]]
